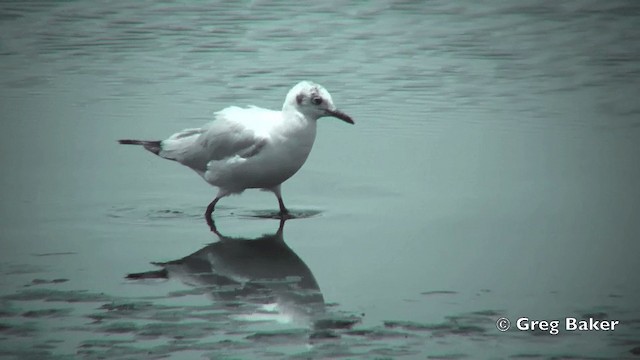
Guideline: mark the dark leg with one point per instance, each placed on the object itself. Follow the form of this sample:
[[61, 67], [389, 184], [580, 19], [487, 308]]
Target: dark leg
[[283, 209], [208, 214], [281, 228], [214, 229]]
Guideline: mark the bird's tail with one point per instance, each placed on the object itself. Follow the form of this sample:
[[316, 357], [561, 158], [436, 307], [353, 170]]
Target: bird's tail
[[154, 146], [157, 274]]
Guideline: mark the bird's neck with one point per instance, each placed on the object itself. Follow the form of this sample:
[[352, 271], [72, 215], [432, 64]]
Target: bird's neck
[[297, 121], [299, 129]]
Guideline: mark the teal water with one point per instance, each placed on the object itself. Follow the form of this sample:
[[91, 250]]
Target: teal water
[[492, 172]]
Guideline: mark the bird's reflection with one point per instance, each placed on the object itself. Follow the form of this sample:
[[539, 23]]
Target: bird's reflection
[[261, 271]]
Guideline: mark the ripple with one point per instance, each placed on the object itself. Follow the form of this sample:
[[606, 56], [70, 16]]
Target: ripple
[[70, 296], [137, 214], [47, 313], [439, 292], [271, 214]]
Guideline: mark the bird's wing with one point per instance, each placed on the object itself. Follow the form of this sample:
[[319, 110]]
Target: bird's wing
[[234, 132], [179, 146]]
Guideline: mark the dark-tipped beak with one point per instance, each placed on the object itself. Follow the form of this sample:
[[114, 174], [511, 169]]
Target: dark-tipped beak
[[340, 115]]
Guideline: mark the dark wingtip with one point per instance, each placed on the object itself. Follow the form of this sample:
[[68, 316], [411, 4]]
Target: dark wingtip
[[154, 146], [159, 274]]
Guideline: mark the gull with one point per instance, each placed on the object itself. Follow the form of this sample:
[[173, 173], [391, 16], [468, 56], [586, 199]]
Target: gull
[[253, 147]]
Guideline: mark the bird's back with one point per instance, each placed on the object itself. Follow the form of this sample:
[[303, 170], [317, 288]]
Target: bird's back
[[233, 132]]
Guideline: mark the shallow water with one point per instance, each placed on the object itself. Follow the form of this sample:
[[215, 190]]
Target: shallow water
[[492, 172]]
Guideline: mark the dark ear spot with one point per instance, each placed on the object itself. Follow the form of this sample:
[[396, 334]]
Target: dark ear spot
[[299, 98]]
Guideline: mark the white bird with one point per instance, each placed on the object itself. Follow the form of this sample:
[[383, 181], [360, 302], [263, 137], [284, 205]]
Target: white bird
[[251, 148]]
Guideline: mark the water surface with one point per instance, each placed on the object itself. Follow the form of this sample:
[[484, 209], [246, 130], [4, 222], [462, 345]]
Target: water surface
[[492, 172]]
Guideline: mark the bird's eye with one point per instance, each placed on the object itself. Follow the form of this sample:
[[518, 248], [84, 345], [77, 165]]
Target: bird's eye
[[316, 100]]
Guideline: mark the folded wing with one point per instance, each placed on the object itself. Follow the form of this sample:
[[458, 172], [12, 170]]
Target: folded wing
[[235, 132]]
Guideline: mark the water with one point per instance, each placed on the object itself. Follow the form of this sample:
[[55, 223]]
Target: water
[[492, 172]]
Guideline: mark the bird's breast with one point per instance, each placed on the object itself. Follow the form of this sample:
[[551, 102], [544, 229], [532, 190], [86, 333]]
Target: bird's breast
[[285, 155], [280, 158]]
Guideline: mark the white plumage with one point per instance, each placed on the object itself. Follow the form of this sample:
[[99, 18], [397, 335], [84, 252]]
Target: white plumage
[[246, 148]]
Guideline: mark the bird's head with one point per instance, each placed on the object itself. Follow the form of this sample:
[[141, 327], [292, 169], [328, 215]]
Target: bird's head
[[313, 101]]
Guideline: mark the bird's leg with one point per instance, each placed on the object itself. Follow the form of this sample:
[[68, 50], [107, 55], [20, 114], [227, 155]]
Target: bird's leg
[[283, 210], [284, 213], [208, 214], [213, 228], [281, 227]]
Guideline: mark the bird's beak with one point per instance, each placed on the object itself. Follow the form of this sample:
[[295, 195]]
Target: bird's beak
[[340, 115]]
